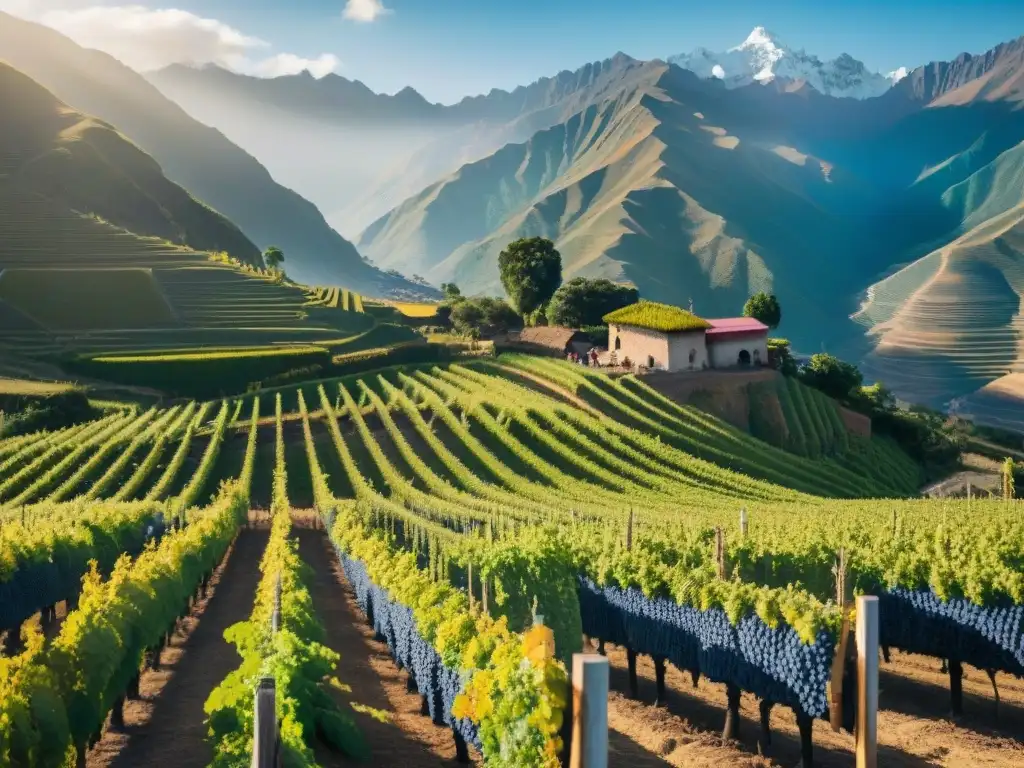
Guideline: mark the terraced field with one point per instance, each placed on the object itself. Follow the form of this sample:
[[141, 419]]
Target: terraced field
[[61, 274], [336, 298], [950, 323]]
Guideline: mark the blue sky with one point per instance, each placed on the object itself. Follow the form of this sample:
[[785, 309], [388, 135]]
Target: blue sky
[[447, 49]]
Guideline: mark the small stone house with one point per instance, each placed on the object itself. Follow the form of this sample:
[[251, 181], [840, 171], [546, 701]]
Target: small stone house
[[555, 339], [667, 338]]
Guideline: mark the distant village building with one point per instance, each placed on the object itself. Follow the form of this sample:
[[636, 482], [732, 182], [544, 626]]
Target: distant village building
[[556, 339], [668, 338]]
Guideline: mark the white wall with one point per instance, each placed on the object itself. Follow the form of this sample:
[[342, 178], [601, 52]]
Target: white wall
[[637, 344], [671, 351], [679, 347], [726, 353]]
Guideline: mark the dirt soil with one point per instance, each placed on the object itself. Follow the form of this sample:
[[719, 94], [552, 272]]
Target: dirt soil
[[166, 727], [399, 735], [914, 725]]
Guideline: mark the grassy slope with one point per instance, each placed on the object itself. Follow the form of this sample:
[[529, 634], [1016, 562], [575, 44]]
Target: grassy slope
[[50, 149], [213, 304], [949, 323], [196, 156]]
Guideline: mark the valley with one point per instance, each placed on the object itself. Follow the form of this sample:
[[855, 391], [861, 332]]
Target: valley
[[688, 186], [340, 425]]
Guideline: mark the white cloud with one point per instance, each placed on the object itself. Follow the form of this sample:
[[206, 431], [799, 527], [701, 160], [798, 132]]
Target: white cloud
[[290, 64], [150, 38], [364, 10]]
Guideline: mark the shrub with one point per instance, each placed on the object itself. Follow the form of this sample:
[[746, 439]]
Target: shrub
[[835, 377], [781, 355], [202, 375], [31, 413], [486, 316]]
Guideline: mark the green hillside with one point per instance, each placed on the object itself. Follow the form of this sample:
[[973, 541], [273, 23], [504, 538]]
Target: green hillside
[[49, 150], [70, 283], [197, 157]]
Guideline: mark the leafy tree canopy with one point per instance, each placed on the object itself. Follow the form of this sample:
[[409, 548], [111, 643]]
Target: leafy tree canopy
[[273, 256], [782, 354], [483, 316], [832, 376], [531, 271], [450, 291], [583, 302], [764, 307]]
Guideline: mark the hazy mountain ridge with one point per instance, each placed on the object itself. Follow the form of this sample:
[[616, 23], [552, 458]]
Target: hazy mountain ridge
[[996, 75], [397, 157], [640, 200], [329, 98], [51, 150], [718, 192], [197, 157]]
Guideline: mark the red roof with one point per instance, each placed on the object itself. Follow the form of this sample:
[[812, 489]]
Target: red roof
[[729, 327]]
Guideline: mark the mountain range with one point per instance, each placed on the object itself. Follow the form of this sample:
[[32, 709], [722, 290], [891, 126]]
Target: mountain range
[[885, 210], [196, 156], [49, 150], [762, 58]]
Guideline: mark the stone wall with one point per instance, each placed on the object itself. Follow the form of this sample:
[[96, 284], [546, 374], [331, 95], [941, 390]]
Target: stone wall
[[638, 344]]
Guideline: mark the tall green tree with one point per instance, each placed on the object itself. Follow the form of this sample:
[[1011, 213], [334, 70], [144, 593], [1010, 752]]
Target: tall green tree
[[451, 291], [584, 302], [764, 307], [531, 271], [273, 257]]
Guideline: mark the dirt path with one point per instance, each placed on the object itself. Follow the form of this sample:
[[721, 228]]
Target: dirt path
[[913, 725], [167, 726], [548, 387], [397, 733]]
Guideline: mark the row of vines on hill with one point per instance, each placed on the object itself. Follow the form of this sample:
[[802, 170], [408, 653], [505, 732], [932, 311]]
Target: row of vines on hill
[[489, 515]]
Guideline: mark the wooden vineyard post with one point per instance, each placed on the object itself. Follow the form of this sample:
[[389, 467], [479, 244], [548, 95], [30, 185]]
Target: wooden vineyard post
[[629, 532], [744, 522], [265, 736], [469, 585], [867, 681], [720, 551], [590, 711], [275, 617]]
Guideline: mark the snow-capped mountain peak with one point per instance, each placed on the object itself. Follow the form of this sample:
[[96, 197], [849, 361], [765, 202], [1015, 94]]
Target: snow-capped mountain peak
[[897, 74], [759, 38], [762, 57]]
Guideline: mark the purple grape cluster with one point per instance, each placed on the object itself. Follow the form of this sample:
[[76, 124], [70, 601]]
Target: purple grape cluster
[[37, 585], [919, 621], [395, 622], [773, 664]]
